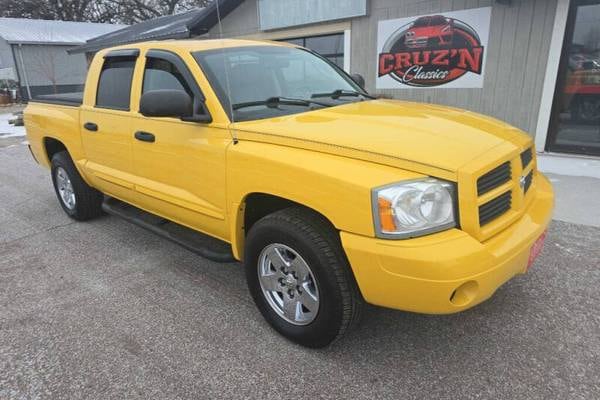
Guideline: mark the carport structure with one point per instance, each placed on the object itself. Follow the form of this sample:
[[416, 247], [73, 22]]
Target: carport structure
[[34, 54]]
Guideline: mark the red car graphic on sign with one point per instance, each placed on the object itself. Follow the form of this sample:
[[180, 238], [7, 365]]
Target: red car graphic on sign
[[432, 30]]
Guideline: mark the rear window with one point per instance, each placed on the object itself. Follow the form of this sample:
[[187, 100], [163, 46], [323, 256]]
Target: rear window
[[438, 20], [423, 21], [114, 85]]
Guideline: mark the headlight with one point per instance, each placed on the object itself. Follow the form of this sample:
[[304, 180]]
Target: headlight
[[413, 208]]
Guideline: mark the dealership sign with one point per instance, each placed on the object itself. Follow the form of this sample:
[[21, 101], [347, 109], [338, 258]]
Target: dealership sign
[[438, 50]]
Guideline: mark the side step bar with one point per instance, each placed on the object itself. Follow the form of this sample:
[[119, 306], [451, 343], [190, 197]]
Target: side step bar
[[199, 243]]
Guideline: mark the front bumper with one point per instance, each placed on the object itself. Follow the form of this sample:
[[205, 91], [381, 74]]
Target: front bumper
[[449, 271]]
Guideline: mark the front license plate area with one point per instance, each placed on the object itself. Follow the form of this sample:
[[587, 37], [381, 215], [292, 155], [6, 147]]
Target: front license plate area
[[536, 249]]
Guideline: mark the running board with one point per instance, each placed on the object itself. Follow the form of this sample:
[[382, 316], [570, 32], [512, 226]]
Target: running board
[[199, 243]]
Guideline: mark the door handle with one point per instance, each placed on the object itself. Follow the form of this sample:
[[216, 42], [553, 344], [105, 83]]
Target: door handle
[[90, 126], [144, 136]]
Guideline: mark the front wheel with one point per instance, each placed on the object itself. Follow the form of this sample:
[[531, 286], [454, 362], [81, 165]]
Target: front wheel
[[299, 277]]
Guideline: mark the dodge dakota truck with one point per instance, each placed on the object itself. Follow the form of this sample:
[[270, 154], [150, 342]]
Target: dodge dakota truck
[[269, 154]]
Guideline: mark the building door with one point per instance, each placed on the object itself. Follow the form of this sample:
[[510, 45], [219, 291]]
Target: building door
[[575, 124]]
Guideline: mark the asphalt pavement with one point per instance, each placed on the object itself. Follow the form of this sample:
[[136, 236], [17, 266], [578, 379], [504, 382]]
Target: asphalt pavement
[[106, 310]]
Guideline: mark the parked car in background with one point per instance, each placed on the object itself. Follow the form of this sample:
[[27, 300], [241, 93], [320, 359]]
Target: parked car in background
[[582, 89], [433, 30]]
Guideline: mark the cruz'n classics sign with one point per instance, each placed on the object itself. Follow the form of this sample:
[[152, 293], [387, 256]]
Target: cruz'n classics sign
[[437, 50]]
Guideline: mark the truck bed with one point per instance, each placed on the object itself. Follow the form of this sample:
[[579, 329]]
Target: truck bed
[[74, 99]]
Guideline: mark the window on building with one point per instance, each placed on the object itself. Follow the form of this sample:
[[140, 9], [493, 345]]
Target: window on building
[[329, 46], [576, 114], [114, 85], [162, 74]]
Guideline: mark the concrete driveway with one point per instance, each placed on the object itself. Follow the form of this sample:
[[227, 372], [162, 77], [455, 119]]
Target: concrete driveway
[[106, 310]]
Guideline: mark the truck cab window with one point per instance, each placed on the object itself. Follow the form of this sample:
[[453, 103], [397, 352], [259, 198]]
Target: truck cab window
[[114, 84], [162, 74]]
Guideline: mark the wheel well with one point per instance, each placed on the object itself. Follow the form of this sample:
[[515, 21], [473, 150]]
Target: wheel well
[[53, 146], [258, 205]]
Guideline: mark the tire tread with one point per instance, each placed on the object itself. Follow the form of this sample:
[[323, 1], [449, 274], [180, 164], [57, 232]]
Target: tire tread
[[326, 239], [89, 200]]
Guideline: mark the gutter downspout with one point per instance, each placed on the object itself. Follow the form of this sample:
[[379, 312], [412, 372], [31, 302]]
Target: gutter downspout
[[13, 49], [24, 72]]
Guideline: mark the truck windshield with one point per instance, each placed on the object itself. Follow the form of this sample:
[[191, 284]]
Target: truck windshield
[[255, 75]]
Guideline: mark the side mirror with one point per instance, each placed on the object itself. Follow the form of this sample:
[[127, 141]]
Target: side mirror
[[358, 78], [166, 103]]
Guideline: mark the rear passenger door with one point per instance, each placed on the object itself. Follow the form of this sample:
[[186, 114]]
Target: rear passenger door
[[106, 122]]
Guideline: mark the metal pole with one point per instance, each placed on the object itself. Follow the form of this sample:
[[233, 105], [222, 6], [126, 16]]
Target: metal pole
[[24, 71]]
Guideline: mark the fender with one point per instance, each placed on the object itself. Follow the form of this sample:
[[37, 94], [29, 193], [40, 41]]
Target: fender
[[337, 187]]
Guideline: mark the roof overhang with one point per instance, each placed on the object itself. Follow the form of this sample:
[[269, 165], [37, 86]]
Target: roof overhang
[[179, 26], [14, 42]]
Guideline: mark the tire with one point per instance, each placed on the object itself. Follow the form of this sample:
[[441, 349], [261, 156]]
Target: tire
[[292, 233], [80, 201]]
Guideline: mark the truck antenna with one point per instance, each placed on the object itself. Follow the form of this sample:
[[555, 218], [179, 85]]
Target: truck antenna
[[232, 130]]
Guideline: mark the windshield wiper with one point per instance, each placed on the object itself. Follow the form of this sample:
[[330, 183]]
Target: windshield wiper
[[274, 102], [336, 94]]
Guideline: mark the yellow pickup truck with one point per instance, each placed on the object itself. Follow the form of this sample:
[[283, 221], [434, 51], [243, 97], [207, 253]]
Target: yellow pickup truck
[[269, 154]]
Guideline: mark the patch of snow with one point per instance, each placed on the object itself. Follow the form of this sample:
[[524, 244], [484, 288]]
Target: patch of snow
[[8, 130]]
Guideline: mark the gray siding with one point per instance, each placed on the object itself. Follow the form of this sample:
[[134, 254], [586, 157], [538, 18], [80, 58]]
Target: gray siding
[[241, 21], [516, 56], [6, 57], [286, 13]]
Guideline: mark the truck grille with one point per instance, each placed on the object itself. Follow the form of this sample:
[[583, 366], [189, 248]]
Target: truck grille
[[494, 178], [494, 208], [526, 157], [421, 41], [504, 183]]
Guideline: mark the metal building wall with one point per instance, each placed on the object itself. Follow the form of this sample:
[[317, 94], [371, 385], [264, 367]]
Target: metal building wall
[[276, 14], [6, 60], [243, 22], [41, 64]]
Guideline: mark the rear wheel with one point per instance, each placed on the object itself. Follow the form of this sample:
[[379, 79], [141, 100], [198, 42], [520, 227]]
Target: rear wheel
[[300, 278], [79, 200]]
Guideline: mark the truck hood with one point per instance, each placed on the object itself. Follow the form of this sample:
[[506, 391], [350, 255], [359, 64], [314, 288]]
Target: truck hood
[[418, 135]]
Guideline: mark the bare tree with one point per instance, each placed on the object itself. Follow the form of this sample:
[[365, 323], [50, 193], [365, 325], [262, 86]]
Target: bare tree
[[124, 11]]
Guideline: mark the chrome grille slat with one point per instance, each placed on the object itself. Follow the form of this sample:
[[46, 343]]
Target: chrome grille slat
[[494, 208], [494, 178]]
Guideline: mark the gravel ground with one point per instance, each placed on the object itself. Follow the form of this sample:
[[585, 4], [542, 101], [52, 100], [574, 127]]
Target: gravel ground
[[106, 310]]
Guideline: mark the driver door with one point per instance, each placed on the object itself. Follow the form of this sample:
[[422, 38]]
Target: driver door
[[180, 172]]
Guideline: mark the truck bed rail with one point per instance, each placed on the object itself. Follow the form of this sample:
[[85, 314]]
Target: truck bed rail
[[74, 99]]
